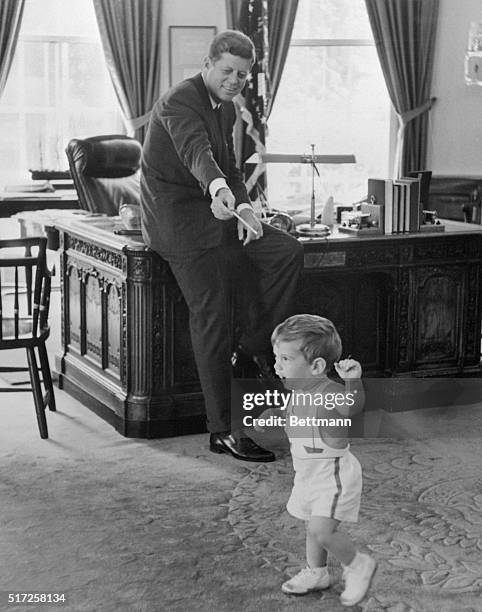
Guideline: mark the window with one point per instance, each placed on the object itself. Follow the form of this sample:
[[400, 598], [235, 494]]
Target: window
[[58, 88], [333, 95]]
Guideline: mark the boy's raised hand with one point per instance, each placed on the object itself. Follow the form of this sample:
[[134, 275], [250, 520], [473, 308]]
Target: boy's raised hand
[[348, 368]]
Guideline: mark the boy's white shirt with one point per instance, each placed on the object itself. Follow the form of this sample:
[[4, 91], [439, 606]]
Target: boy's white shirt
[[300, 442]]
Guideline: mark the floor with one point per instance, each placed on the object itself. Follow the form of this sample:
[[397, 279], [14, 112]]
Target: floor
[[119, 524]]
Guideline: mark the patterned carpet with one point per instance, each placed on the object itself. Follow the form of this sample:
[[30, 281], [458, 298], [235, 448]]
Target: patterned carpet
[[124, 525], [421, 518]]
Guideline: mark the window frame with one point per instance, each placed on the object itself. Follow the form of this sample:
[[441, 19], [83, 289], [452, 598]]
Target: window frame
[[331, 42]]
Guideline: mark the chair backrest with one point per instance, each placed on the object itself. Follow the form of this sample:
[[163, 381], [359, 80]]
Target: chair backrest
[[105, 171], [24, 287]]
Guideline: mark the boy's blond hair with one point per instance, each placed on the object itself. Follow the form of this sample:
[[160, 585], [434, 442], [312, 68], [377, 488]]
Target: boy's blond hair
[[319, 337]]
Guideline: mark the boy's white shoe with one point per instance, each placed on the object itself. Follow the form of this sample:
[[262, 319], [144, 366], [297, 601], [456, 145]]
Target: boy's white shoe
[[309, 579], [357, 576]]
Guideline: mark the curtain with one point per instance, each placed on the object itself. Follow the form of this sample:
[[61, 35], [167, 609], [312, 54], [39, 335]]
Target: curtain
[[131, 38], [269, 24], [281, 19], [404, 35], [11, 12]]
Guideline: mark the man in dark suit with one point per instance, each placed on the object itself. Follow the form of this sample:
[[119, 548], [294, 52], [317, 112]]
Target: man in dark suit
[[190, 186]]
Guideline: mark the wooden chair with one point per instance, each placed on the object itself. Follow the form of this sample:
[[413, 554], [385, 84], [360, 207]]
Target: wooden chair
[[24, 308]]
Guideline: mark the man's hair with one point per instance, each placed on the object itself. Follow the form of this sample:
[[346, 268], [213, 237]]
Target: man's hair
[[319, 337], [234, 42]]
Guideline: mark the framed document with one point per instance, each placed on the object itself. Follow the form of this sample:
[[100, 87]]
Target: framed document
[[188, 45]]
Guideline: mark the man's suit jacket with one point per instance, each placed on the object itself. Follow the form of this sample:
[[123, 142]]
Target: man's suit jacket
[[184, 151]]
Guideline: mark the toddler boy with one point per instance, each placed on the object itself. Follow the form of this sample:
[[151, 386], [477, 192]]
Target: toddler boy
[[328, 478]]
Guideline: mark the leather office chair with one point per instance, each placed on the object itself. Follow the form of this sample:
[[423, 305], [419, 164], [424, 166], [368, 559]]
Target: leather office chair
[[24, 309], [105, 171]]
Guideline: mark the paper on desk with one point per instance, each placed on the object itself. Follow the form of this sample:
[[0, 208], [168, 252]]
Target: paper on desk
[[45, 187], [19, 195]]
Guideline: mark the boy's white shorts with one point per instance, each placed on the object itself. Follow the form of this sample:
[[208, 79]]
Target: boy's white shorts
[[326, 487]]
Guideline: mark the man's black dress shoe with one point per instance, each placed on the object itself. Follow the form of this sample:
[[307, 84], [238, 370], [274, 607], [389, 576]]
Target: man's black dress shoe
[[240, 448], [252, 366]]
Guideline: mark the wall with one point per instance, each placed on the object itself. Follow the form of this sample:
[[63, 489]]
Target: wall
[[184, 13], [455, 141]]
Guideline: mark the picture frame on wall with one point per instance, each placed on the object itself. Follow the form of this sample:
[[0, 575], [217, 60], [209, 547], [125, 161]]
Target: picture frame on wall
[[188, 46]]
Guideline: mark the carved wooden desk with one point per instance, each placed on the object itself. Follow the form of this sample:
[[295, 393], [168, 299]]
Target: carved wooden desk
[[404, 305]]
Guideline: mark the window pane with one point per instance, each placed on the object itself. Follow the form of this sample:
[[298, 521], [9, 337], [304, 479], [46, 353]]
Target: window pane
[[40, 17], [91, 123], [9, 150], [10, 95], [57, 89], [41, 141], [332, 19], [39, 69], [342, 108], [88, 79], [59, 18]]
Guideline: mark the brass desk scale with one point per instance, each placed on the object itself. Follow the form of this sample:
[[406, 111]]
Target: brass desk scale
[[312, 229]]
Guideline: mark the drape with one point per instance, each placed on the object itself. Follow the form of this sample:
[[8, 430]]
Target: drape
[[11, 12], [404, 35], [269, 23], [281, 19], [130, 31]]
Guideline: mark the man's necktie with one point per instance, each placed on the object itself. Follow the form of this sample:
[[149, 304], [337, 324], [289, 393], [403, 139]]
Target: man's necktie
[[218, 112]]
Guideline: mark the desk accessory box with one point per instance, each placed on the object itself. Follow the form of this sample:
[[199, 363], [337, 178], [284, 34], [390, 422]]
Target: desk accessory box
[[369, 219]]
